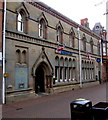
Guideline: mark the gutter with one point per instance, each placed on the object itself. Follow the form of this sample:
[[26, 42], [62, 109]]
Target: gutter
[[4, 50]]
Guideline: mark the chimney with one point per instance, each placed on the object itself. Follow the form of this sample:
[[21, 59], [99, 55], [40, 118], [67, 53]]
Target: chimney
[[84, 22], [104, 33]]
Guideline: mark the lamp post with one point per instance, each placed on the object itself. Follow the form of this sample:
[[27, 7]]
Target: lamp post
[[4, 44], [80, 68], [100, 78]]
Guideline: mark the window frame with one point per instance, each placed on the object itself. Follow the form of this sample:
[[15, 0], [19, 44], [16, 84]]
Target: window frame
[[42, 29]]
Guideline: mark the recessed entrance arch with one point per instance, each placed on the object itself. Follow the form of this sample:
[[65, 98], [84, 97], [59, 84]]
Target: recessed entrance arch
[[42, 72], [43, 78], [39, 79]]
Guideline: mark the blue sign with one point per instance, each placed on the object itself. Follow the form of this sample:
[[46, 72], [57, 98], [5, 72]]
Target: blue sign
[[21, 78], [66, 53], [98, 60]]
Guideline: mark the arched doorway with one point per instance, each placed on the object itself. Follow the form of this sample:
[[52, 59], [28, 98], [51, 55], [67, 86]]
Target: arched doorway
[[40, 79], [42, 72]]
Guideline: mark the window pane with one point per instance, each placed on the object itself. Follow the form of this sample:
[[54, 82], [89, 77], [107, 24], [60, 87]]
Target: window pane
[[19, 26], [19, 17], [20, 23]]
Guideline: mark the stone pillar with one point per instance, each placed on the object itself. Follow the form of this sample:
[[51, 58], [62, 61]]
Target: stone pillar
[[49, 83]]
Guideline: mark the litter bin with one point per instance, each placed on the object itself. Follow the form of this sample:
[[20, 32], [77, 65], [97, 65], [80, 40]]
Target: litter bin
[[81, 109], [100, 111]]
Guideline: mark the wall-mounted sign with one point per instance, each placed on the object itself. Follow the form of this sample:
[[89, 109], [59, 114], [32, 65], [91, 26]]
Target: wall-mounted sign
[[98, 59], [6, 75], [64, 52]]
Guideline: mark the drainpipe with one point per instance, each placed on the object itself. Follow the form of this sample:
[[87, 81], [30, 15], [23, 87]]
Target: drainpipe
[[3, 55], [80, 68], [101, 56]]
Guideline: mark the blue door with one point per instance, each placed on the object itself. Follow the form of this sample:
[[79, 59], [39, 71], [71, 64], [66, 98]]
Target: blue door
[[21, 78]]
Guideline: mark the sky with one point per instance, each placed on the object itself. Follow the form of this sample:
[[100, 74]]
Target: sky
[[80, 9]]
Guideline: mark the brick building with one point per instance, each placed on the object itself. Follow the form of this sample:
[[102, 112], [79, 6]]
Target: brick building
[[47, 52], [98, 29]]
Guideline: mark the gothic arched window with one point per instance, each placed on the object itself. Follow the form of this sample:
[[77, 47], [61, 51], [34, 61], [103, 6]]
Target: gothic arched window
[[42, 29], [18, 56], [21, 21]]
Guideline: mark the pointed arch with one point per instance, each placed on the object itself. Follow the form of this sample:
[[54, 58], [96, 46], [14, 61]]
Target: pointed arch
[[43, 23], [43, 58], [72, 38], [91, 45], [42, 16], [98, 48], [18, 56], [59, 32], [23, 7], [22, 18], [84, 42]]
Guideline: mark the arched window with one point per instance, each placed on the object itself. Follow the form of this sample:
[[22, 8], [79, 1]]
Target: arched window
[[42, 29], [72, 39], [59, 33], [91, 45], [24, 57], [56, 69], [70, 69], [98, 49], [74, 69], [18, 56], [104, 48], [61, 68], [66, 69], [84, 43], [21, 21]]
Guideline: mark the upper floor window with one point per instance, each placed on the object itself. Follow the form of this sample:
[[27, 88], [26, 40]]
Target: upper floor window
[[91, 46], [84, 43], [98, 49], [59, 33], [104, 48], [21, 21], [42, 29], [72, 39]]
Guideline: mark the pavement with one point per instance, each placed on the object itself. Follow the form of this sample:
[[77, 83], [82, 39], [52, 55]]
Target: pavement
[[53, 106]]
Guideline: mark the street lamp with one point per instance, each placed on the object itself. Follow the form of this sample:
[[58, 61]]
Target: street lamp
[[4, 48], [100, 41], [80, 68]]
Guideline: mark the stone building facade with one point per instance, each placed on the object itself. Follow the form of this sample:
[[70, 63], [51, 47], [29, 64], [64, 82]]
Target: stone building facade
[[42, 51]]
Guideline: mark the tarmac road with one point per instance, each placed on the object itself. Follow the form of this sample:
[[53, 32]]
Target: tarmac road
[[53, 106]]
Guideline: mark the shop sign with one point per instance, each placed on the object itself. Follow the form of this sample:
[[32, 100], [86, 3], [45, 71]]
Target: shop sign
[[98, 60], [64, 52]]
